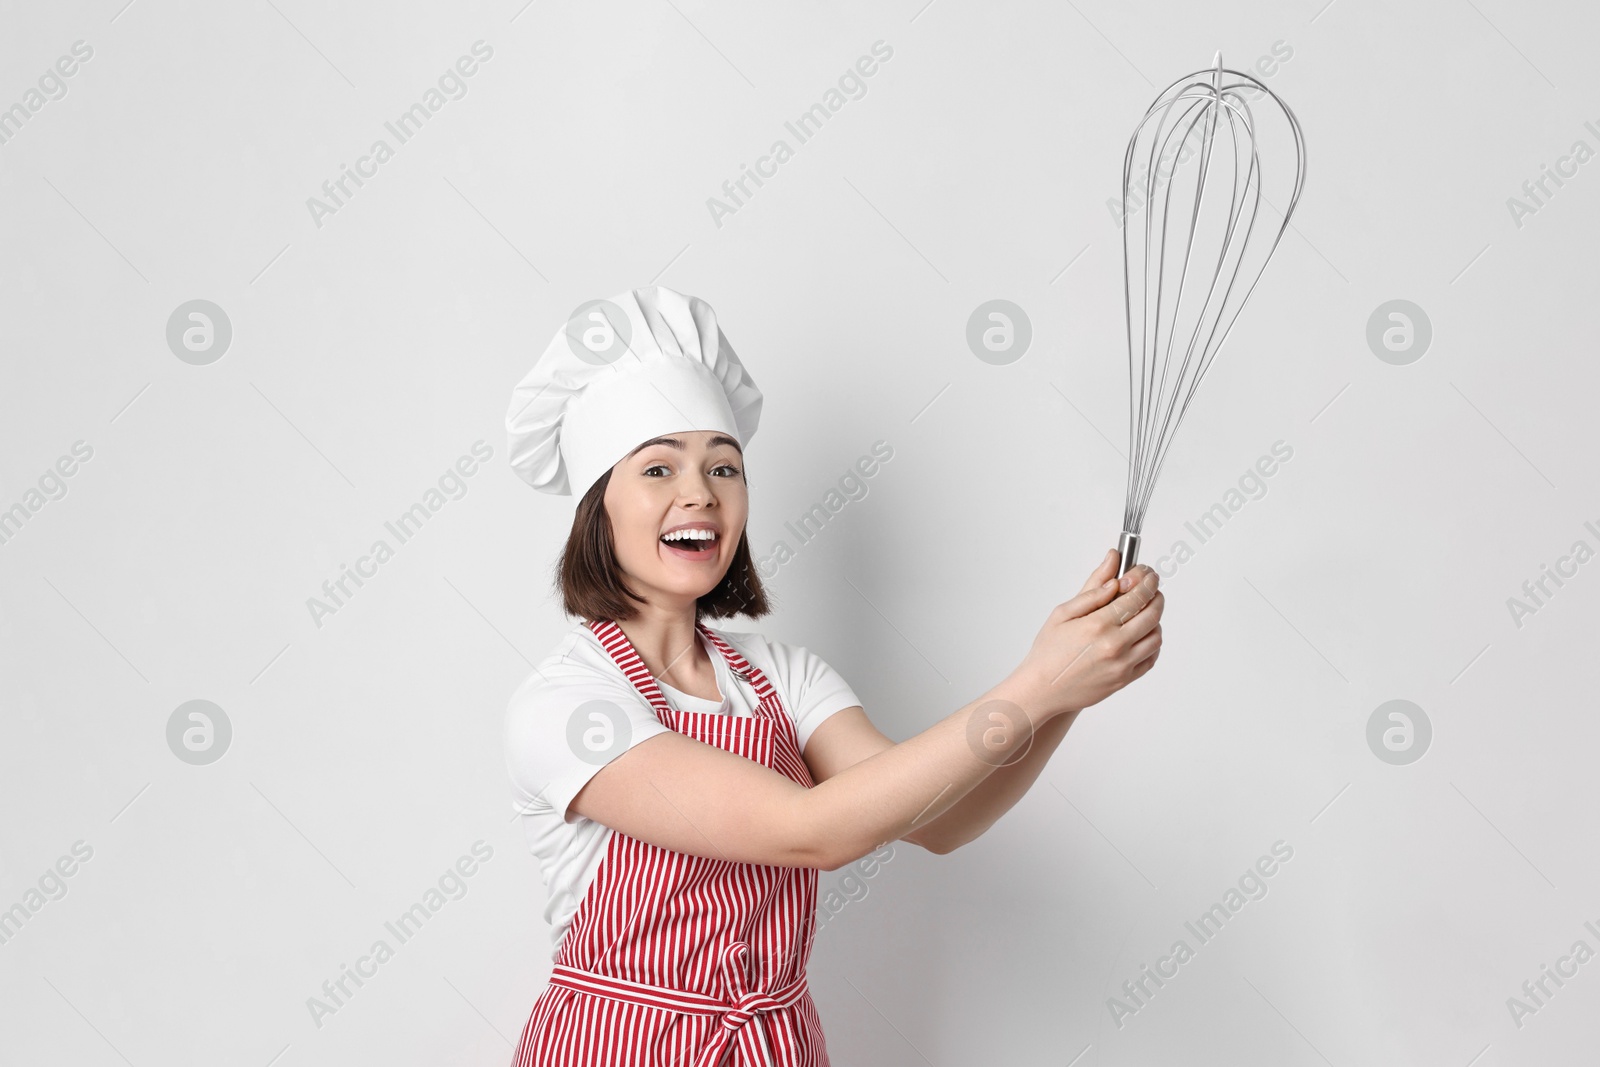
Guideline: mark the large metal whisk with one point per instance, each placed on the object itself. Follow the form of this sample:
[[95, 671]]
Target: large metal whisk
[[1199, 192]]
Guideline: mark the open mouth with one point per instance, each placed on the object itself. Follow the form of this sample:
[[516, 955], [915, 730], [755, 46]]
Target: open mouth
[[693, 547]]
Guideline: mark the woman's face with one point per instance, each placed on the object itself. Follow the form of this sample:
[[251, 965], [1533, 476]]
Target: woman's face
[[693, 478]]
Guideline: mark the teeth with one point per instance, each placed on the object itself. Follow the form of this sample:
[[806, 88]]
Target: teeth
[[690, 535]]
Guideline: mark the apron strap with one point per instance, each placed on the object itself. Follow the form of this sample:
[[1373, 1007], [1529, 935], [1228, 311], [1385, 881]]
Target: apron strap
[[627, 659]]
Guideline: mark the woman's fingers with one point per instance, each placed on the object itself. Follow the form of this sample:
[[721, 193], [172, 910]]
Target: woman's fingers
[[1093, 598], [1148, 618], [1130, 604], [1104, 637], [1144, 666], [1098, 591], [1144, 651], [1106, 570]]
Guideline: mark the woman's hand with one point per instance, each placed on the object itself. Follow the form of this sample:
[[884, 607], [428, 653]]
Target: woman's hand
[[1094, 644]]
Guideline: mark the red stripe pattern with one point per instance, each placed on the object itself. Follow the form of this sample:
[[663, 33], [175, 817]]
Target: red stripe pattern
[[675, 960]]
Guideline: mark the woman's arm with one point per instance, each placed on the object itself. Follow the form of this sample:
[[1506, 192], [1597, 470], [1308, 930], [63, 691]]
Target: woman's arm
[[848, 737], [681, 794]]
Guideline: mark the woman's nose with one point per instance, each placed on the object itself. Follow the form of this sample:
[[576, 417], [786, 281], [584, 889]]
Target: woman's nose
[[697, 487]]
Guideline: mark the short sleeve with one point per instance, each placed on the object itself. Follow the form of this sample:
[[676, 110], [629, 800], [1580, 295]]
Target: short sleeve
[[816, 689], [562, 727]]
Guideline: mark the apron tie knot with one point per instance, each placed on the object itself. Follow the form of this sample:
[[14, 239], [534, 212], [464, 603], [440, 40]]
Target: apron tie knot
[[745, 1005]]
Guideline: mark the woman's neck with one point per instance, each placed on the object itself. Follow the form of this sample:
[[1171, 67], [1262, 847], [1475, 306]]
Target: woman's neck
[[670, 646]]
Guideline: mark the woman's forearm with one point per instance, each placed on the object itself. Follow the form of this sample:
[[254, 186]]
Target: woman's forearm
[[980, 809], [901, 789]]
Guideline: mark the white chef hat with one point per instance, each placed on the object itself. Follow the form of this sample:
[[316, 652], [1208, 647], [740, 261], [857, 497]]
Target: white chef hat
[[619, 372]]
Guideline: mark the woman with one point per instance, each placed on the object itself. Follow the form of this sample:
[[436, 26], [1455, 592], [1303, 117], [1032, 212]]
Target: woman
[[682, 785]]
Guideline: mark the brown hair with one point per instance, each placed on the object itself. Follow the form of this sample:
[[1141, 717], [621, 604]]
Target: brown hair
[[592, 585]]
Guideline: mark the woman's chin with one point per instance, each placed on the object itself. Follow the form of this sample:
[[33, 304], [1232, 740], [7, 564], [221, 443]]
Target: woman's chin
[[688, 580]]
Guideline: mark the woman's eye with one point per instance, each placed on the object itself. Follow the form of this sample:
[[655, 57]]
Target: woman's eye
[[734, 471]]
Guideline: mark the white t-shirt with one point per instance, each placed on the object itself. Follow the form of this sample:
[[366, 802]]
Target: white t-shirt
[[549, 761]]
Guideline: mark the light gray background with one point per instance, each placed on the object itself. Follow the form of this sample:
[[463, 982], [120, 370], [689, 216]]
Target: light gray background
[[368, 354]]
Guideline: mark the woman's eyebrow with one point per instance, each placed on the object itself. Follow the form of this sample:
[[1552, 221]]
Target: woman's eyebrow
[[719, 439]]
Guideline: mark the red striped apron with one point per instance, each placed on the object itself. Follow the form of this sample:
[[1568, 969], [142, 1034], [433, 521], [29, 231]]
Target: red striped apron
[[675, 960]]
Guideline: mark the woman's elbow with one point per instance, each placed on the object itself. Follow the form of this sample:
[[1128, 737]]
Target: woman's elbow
[[931, 844], [834, 855], [824, 855], [828, 851]]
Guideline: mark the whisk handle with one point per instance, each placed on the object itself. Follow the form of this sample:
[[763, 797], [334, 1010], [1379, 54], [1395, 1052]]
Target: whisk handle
[[1128, 549]]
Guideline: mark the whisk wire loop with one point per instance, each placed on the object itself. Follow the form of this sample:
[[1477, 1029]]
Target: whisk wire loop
[[1200, 123]]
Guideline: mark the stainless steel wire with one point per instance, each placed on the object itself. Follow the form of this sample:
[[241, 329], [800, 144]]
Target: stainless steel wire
[[1215, 235]]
